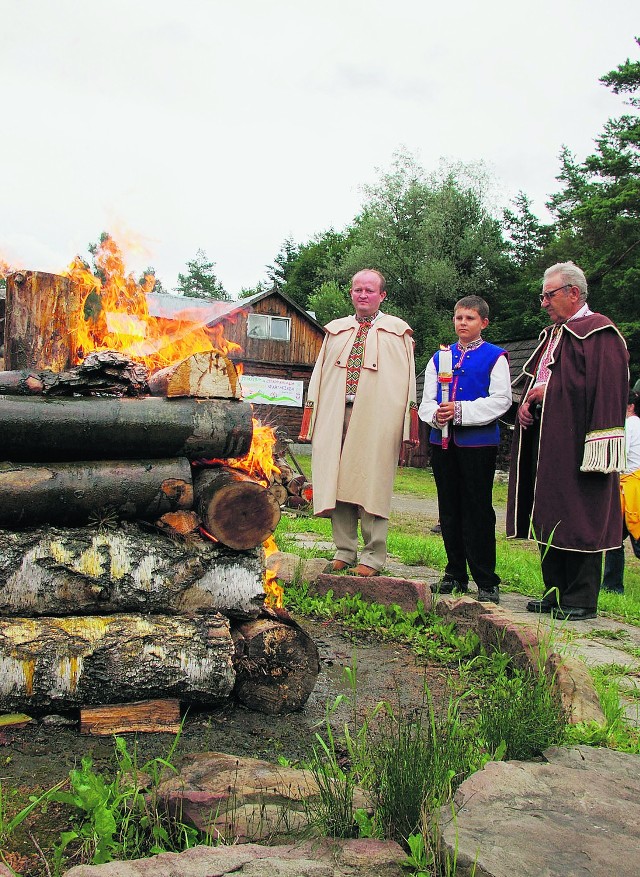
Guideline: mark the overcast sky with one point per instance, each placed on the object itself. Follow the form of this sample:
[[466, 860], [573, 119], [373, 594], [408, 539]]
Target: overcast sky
[[230, 125]]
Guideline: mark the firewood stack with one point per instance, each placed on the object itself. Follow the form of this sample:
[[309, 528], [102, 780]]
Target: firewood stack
[[131, 561], [288, 484]]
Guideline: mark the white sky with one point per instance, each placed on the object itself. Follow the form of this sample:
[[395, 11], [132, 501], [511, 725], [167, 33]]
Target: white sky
[[229, 125]]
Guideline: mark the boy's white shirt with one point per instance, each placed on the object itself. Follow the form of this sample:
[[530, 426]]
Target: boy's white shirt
[[477, 412]]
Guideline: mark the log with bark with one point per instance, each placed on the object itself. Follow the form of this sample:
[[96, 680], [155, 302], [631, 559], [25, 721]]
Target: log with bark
[[277, 664], [35, 429], [83, 571], [63, 663], [42, 312], [235, 508], [70, 494], [21, 383], [209, 375]]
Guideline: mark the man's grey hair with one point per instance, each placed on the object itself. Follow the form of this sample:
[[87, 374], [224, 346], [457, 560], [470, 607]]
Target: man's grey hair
[[572, 275]]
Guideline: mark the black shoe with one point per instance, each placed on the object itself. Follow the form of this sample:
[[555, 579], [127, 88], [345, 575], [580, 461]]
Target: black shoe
[[448, 586], [573, 613], [541, 606], [489, 596]]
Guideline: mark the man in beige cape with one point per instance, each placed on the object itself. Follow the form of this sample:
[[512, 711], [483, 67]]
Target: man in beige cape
[[360, 407]]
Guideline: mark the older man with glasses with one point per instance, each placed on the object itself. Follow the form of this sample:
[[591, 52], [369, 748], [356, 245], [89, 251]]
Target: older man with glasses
[[569, 446]]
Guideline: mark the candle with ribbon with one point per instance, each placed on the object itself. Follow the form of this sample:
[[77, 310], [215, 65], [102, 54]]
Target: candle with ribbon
[[445, 377]]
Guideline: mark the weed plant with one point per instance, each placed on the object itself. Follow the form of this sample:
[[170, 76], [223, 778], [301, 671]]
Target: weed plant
[[424, 631], [521, 715], [419, 757]]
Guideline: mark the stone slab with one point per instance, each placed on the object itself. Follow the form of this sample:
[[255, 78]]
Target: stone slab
[[317, 858], [378, 589], [577, 814]]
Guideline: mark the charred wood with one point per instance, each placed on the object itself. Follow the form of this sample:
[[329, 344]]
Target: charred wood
[[277, 664]]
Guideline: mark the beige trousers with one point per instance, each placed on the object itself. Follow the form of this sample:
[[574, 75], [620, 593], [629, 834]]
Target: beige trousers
[[344, 525]]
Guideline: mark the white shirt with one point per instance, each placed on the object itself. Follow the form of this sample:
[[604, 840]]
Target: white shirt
[[478, 412], [632, 441]]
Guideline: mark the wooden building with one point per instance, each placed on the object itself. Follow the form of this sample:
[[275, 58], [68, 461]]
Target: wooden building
[[279, 340]]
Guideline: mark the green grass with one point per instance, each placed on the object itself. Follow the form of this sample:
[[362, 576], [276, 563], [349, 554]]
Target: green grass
[[518, 561]]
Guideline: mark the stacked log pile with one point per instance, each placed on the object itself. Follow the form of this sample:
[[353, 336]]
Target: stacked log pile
[[131, 561]]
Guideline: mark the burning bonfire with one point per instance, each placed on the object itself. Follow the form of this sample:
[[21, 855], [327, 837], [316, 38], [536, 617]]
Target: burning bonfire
[[112, 316], [123, 427]]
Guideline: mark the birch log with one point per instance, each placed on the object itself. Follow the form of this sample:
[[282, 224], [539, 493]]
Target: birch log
[[277, 664], [53, 571], [69, 494], [35, 429], [64, 663]]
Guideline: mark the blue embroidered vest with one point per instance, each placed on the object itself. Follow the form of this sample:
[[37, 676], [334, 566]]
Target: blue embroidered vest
[[471, 378]]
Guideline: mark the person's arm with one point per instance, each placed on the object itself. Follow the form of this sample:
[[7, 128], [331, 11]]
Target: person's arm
[[606, 388], [429, 404], [491, 407], [313, 393]]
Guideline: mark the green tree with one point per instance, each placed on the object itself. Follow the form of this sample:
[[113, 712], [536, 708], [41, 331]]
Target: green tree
[[433, 238], [526, 235], [248, 291], [330, 302], [598, 207], [300, 269], [200, 280], [149, 281]]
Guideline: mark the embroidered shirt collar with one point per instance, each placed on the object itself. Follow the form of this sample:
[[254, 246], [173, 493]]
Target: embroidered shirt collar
[[471, 345], [368, 319]]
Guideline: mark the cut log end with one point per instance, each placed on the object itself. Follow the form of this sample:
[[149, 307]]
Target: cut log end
[[276, 664], [235, 508]]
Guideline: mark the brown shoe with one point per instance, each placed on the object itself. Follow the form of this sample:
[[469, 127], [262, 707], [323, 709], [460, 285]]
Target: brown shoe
[[362, 570], [338, 565]]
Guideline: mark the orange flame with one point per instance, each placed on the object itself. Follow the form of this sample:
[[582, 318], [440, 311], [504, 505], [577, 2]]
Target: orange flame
[[274, 591], [5, 268], [259, 460], [116, 315]]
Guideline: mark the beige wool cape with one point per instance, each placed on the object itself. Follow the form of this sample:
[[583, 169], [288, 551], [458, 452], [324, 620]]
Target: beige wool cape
[[362, 471]]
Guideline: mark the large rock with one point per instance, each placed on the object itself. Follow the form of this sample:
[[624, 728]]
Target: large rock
[[317, 858], [241, 799], [575, 815]]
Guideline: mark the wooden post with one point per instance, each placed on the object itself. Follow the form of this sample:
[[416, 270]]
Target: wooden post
[[42, 313]]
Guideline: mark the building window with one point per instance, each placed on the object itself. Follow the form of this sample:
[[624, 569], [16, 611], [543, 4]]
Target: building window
[[263, 326]]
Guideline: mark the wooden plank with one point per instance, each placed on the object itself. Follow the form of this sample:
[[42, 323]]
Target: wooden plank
[[146, 716]]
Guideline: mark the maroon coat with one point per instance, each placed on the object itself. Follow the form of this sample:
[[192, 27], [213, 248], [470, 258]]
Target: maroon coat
[[565, 492]]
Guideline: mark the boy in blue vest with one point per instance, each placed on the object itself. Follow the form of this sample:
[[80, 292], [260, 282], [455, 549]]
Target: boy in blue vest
[[464, 461]]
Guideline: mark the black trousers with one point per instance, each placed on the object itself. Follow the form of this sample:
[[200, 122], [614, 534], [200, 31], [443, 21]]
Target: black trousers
[[464, 478], [576, 575]]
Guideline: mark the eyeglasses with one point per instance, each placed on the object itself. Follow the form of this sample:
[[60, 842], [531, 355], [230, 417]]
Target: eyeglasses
[[547, 296]]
